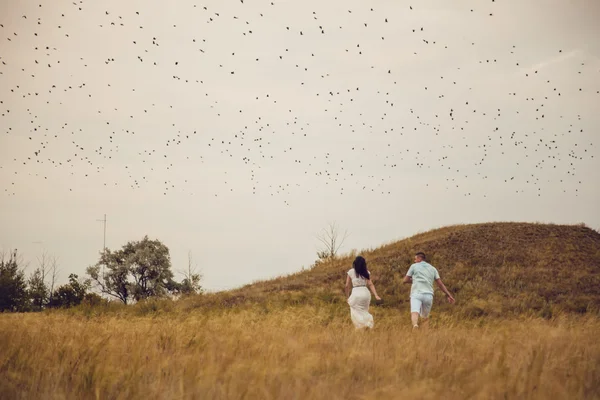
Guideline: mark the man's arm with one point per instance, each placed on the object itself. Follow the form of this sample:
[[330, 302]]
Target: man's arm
[[443, 287], [409, 274]]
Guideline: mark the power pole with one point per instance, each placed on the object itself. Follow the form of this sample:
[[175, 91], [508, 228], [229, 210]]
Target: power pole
[[104, 242]]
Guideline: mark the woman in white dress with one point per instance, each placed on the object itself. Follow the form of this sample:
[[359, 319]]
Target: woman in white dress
[[359, 279]]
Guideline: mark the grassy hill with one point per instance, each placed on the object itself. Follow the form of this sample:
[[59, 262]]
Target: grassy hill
[[291, 337], [492, 268]]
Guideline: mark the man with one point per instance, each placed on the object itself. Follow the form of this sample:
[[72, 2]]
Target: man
[[422, 275]]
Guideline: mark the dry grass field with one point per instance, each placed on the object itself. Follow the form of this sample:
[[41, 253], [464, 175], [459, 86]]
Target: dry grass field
[[303, 352], [525, 326]]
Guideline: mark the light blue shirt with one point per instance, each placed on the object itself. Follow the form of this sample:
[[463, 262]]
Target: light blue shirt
[[423, 275]]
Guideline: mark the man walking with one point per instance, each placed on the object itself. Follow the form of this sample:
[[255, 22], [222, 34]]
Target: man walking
[[422, 275]]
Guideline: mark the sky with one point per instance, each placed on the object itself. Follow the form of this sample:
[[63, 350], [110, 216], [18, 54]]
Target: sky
[[236, 131]]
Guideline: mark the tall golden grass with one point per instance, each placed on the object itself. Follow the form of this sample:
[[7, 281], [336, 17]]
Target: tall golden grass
[[525, 326], [301, 352]]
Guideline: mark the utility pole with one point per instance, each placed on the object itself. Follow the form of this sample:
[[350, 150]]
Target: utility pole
[[104, 242]]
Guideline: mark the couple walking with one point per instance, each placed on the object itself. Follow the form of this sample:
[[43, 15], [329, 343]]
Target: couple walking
[[420, 275]]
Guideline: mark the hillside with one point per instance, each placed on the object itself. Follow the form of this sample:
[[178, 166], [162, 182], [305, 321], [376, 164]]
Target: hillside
[[292, 337], [492, 268]]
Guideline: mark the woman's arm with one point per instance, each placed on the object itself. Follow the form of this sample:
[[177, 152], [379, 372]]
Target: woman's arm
[[348, 286], [372, 288]]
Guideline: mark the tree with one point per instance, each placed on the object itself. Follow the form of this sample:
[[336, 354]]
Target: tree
[[94, 299], [331, 240], [138, 271], [114, 282], [72, 293], [191, 279], [13, 290], [37, 290], [53, 273]]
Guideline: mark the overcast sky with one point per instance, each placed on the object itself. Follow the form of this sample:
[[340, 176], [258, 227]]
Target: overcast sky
[[237, 131]]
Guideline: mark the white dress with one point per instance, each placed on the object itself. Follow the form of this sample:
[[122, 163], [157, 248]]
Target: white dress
[[359, 302]]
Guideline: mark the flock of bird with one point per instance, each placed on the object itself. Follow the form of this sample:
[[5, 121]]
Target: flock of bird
[[275, 98]]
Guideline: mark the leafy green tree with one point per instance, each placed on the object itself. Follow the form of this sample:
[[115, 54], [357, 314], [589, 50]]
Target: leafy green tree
[[190, 285], [37, 290], [111, 280], [72, 293], [94, 299], [138, 271], [13, 289]]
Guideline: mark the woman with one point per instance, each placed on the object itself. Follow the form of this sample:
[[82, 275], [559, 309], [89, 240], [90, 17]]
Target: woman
[[359, 279]]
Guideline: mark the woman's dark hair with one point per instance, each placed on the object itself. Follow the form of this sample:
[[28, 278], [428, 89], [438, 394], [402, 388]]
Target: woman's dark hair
[[360, 267]]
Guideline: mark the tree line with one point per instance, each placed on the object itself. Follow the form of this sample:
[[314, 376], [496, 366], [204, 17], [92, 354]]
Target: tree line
[[139, 270]]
